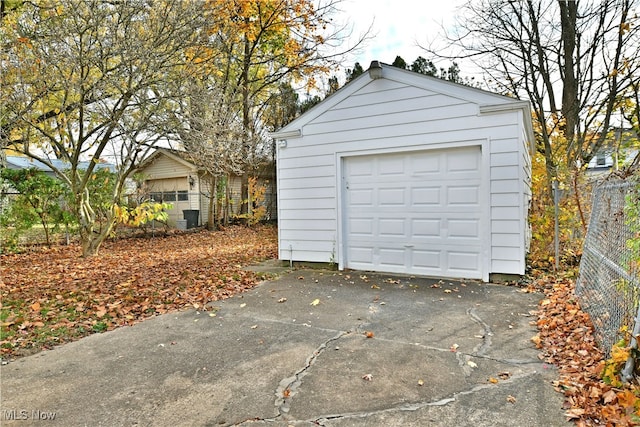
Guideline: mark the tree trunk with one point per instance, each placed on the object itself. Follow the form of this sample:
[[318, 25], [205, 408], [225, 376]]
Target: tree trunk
[[90, 239], [212, 201], [568, 16]]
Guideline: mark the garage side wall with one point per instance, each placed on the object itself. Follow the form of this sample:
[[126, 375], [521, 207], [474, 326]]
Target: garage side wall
[[380, 116], [510, 169]]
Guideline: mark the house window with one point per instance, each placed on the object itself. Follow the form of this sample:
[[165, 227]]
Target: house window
[[183, 196], [156, 197], [169, 197], [601, 159]]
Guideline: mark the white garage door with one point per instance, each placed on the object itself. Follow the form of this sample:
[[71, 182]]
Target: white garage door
[[415, 213]]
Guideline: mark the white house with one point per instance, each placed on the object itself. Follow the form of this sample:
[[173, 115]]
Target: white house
[[405, 173]]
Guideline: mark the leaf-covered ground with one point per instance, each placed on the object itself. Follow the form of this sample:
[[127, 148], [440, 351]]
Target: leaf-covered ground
[[52, 296], [566, 340]]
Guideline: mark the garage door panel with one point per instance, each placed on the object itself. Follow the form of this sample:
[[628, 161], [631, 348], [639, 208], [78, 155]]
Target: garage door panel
[[392, 227], [427, 259], [391, 165], [463, 261], [361, 198], [464, 228], [462, 160], [425, 227], [415, 213], [463, 195], [392, 197], [361, 227], [425, 164], [392, 257], [360, 254], [426, 196]]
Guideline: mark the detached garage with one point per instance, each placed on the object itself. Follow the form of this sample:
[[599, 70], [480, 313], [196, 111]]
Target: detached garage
[[404, 173]]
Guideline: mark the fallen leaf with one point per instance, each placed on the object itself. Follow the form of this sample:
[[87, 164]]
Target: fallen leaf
[[511, 399], [609, 396], [472, 364], [420, 383], [504, 375], [244, 304], [35, 306], [537, 340], [454, 347], [286, 392], [369, 334], [282, 299], [574, 413], [367, 377], [447, 291], [315, 301], [493, 380], [254, 327]]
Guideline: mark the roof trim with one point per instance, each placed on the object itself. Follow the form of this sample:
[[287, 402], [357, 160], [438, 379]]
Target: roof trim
[[167, 152], [524, 106], [295, 133], [487, 101]]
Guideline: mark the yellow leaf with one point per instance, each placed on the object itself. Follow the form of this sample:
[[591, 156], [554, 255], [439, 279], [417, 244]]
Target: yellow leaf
[[315, 302], [619, 354]]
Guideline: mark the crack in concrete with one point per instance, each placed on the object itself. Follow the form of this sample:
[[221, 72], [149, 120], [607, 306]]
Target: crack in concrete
[[288, 387], [482, 348], [412, 407], [464, 359]]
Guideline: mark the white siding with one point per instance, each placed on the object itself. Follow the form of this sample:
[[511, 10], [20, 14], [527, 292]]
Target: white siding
[[383, 116]]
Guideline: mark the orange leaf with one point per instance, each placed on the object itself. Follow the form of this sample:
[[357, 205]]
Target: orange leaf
[[627, 399], [35, 306]]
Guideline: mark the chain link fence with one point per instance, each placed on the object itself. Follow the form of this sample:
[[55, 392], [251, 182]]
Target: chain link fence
[[608, 285]]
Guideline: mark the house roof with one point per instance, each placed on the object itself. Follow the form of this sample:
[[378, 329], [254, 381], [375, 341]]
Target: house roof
[[21, 162], [488, 102], [176, 155]]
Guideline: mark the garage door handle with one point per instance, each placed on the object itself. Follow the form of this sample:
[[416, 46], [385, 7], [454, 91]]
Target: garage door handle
[[408, 246]]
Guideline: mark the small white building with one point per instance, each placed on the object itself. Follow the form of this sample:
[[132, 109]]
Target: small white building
[[404, 173]]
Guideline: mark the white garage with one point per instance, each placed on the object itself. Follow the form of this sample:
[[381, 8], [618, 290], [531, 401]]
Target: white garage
[[404, 173]]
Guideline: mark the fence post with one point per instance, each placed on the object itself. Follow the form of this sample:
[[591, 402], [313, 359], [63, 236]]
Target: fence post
[[556, 240]]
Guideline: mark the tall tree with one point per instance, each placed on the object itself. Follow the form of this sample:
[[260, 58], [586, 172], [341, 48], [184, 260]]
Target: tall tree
[[424, 66], [399, 63], [354, 72], [571, 59], [82, 78], [266, 43]]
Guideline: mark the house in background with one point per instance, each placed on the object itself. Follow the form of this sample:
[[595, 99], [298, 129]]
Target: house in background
[[22, 162], [169, 176], [616, 153], [405, 173]]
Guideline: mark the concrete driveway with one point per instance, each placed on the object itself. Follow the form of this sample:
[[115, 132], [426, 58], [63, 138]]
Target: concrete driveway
[[296, 352]]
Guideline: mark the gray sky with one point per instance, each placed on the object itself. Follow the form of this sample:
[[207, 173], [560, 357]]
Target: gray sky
[[398, 25]]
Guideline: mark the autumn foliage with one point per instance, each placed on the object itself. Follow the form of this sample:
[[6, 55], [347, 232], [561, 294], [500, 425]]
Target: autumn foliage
[[594, 394], [52, 296]]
